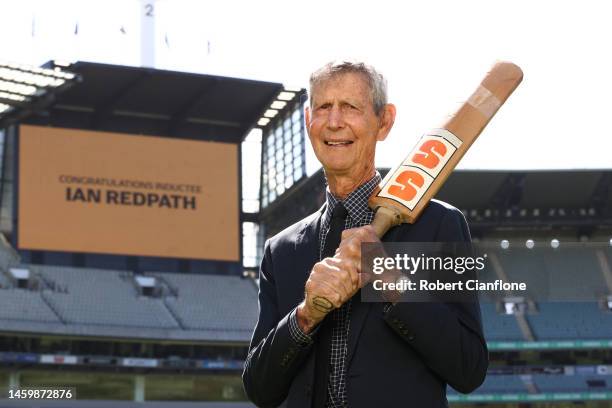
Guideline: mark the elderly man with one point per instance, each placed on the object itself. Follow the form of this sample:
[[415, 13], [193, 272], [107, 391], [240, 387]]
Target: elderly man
[[355, 354]]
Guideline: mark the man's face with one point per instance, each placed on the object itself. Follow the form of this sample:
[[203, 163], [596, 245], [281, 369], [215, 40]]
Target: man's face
[[342, 125]]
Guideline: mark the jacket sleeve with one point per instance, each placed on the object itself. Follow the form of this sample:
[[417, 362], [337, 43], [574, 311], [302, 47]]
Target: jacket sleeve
[[448, 336], [274, 356]]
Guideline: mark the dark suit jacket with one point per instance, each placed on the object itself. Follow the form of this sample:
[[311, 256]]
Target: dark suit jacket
[[404, 357]]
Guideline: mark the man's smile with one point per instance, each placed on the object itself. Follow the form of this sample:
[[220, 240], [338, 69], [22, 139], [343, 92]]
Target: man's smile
[[337, 143]]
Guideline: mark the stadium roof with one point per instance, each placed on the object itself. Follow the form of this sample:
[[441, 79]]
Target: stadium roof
[[25, 89], [490, 199], [526, 189], [158, 102]]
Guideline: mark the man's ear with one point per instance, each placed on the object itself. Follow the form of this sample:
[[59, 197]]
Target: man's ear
[[386, 122], [307, 117]]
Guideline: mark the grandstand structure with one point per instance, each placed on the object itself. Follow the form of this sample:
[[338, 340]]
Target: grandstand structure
[[128, 329], [124, 325]]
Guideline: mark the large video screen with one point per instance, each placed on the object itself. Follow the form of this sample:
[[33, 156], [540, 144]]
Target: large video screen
[[110, 193]]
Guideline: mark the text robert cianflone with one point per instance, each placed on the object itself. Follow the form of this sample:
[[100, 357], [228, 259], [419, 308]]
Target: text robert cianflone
[[412, 264], [437, 285]]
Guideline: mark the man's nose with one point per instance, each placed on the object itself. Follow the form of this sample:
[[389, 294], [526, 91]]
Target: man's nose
[[335, 119]]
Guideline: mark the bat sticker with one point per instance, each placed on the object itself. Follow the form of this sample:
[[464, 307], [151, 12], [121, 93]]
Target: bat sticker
[[408, 182]]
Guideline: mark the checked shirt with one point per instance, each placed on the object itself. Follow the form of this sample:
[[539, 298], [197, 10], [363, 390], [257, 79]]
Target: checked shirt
[[359, 214]]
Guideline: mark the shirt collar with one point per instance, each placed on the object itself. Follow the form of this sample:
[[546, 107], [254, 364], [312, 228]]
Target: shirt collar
[[356, 203]]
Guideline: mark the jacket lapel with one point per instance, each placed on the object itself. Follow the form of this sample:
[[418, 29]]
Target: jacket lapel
[[308, 235], [307, 247]]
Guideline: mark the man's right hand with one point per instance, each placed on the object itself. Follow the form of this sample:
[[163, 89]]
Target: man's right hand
[[331, 283], [335, 280]]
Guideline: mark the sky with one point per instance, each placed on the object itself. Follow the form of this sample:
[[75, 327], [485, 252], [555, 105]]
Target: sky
[[434, 54]]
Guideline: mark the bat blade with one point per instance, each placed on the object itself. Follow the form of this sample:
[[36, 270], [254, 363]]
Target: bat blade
[[407, 188]]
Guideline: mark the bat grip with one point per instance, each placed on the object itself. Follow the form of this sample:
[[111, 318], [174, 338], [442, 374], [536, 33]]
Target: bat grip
[[384, 219]]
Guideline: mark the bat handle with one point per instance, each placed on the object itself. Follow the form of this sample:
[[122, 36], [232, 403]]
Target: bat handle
[[384, 219]]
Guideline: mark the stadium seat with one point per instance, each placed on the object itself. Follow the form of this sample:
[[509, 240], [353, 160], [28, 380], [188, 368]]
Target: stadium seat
[[572, 383], [571, 321], [499, 327], [102, 297], [25, 305], [213, 302]]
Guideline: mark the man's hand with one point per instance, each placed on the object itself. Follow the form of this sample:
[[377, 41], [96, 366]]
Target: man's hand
[[335, 280]]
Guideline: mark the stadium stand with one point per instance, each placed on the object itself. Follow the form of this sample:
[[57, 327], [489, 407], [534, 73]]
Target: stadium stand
[[569, 266], [212, 302], [91, 301], [90, 296], [502, 383], [572, 383], [499, 326], [8, 256], [524, 266], [4, 281], [19, 304], [571, 320], [25, 305]]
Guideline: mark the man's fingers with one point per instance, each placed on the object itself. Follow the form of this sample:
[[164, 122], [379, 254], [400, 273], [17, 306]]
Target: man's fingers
[[339, 276], [347, 271], [330, 292], [322, 304], [353, 269], [365, 278], [365, 233], [346, 234], [350, 249], [325, 285]]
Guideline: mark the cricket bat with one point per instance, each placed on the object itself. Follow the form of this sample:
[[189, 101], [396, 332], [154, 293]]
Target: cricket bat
[[407, 188]]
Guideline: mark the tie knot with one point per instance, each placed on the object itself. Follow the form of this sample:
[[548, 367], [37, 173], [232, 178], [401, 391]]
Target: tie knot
[[340, 212]]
